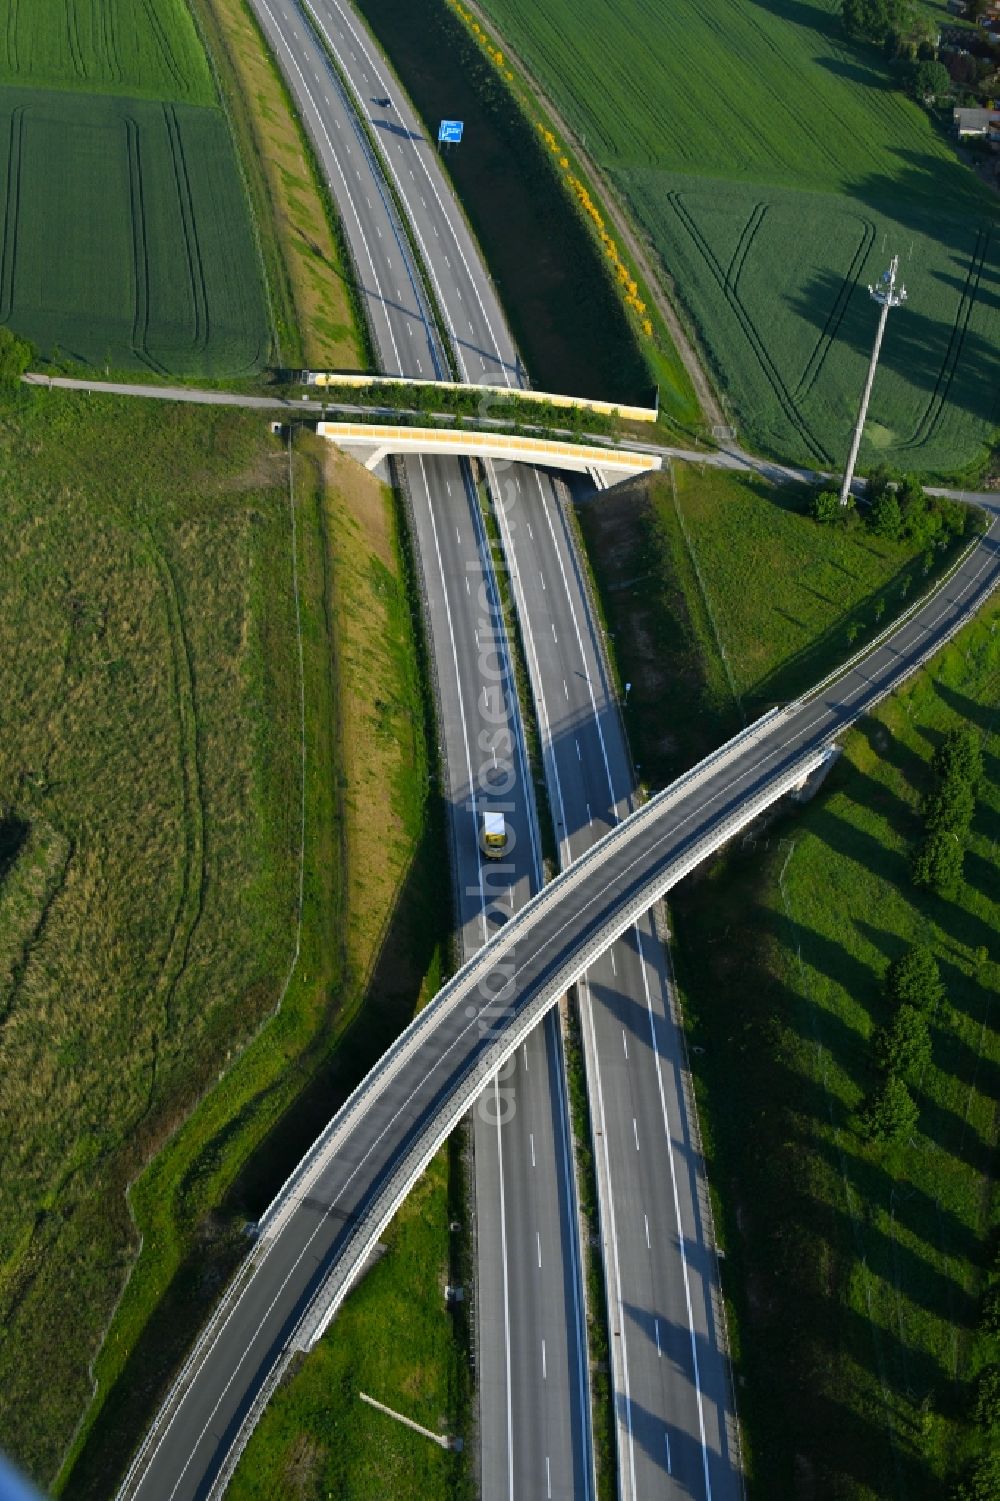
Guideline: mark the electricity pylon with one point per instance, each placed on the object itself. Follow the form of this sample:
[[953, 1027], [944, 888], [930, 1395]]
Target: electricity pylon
[[889, 296]]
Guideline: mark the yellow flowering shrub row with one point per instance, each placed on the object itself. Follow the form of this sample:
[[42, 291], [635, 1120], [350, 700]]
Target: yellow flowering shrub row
[[626, 282]]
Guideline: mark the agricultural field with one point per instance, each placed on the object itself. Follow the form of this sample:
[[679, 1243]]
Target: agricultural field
[[124, 223], [149, 775], [143, 48], [775, 171]]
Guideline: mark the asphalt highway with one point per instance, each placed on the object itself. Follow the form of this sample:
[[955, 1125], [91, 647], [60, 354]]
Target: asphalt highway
[[531, 1357], [676, 1427], [337, 1204], [675, 1418]]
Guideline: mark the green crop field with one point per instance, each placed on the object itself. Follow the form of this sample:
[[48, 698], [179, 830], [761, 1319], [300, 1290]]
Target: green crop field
[[137, 47], [126, 238], [775, 171], [125, 231]]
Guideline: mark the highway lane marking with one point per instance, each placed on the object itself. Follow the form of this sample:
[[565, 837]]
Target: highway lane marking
[[538, 1243], [531, 1139], [458, 538], [677, 1215], [545, 1374], [666, 1440], [524, 1048], [541, 579], [614, 966], [579, 752], [554, 636], [565, 690], [467, 589], [656, 1326], [548, 1479], [624, 1042], [329, 142], [506, 1286], [645, 1221], [635, 1133], [530, 532], [590, 816]]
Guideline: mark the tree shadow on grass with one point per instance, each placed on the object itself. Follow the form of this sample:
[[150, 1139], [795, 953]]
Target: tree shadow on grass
[[984, 716], [409, 941]]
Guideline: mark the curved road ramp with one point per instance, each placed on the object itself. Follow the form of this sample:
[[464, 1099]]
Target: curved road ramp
[[317, 1234]]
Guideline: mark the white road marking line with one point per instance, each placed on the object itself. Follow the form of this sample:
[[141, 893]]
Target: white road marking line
[[624, 1042], [635, 1133], [538, 1243], [590, 816], [666, 1440], [614, 966], [524, 1051], [554, 636], [545, 1373], [565, 690], [548, 1479], [467, 589], [458, 536], [579, 753], [530, 532], [645, 1221], [541, 577], [531, 1138], [656, 1326]]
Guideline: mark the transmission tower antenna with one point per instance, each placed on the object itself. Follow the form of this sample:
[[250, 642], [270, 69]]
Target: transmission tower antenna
[[888, 294]]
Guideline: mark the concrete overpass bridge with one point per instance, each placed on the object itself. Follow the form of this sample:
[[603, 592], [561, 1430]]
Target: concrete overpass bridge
[[371, 442], [316, 1236]]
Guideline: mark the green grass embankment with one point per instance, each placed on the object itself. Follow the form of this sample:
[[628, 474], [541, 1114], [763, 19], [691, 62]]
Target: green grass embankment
[[725, 598]]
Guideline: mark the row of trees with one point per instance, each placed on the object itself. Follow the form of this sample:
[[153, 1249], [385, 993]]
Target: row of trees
[[902, 1047], [948, 810]]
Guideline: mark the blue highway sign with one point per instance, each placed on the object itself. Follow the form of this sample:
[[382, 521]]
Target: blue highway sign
[[451, 130]]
